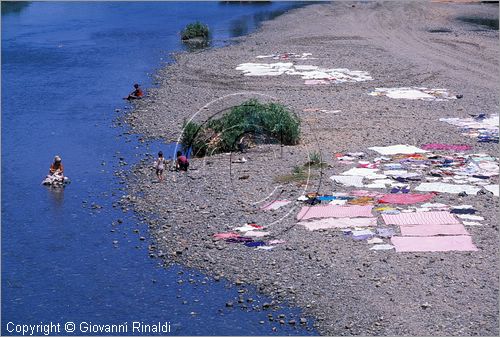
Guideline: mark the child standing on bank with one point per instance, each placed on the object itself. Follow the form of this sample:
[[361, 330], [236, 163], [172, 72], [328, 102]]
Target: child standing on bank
[[160, 166]]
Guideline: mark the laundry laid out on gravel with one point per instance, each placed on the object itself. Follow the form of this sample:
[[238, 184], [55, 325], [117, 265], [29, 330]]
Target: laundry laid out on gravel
[[340, 223], [276, 204], [403, 168], [248, 235], [433, 243], [485, 129], [430, 227], [310, 73], [286, 56], [420, 93]]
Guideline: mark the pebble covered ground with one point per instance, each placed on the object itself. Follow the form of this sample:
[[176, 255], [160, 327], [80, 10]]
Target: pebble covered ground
[[348, 289]]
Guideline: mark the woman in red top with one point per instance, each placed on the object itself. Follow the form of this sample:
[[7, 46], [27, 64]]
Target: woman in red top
[[182, 162]]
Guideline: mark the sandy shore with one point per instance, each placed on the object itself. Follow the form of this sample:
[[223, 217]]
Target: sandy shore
[[347, 288]]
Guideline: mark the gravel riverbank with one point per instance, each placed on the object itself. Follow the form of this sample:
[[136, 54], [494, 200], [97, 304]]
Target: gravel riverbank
[[347, 288]]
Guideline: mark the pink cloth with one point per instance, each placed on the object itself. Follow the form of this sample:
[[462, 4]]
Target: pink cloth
[[339, 223], [365, 193], [431, 230], [437, 146], [334, 211], [433, 243], [405, 198], [228, 235], [420, 218]]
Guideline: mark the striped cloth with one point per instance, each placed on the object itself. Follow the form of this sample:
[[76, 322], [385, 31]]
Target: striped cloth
[[431, 230], [420, 218], [334, 211]]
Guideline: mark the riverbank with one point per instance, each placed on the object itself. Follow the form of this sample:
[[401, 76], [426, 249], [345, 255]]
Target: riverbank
[[346, 287]]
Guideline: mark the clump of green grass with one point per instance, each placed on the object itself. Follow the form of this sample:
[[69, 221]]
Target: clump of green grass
[[315, 161], [271, 122], [298, 175], [195, 30]]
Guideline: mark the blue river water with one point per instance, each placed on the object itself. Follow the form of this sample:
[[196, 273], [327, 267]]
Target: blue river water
[[68, 255]]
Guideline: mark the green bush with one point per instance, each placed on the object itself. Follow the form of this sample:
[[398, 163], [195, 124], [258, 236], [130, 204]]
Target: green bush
[[192, 138], [271, 122], [195, 30]]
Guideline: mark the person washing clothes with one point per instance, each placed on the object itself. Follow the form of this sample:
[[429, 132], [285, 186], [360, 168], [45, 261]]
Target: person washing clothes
[[56, 174], [182, 162], [136, 94], [57, 169]]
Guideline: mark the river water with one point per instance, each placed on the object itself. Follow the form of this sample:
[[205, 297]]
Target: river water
[[68, 255]]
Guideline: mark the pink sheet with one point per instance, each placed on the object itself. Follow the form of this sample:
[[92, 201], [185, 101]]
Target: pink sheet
[[405, 198], [334, 211], [438, 146], [433, 243], [339, 223], [420, 218], [227, 235], [430, 230]]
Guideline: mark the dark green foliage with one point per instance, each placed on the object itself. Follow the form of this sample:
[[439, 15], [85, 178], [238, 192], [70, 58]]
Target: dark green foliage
[[195, 30], [268, 123]]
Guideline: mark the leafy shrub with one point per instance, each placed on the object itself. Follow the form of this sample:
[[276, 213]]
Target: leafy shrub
[[271, 122], [195, 30]]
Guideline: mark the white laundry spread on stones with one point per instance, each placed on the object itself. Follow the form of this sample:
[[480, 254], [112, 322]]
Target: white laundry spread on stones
[[356, 181], [493, 189], [485, 129], [420, 93], [285, 56], [407, 167], [397, 149], [364, 172], [447, 188], [307, 72]]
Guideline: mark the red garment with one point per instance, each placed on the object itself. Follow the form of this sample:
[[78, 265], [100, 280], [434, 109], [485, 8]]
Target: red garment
[[182, 160], [138, 92], [405, 198]]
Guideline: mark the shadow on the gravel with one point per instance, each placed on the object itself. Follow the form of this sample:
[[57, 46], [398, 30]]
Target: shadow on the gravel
[[490, 23]]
